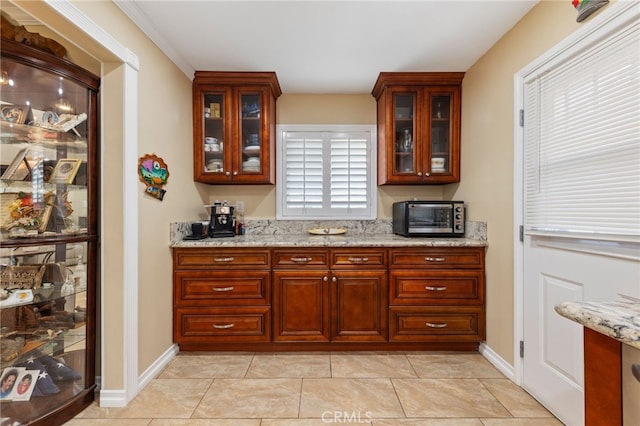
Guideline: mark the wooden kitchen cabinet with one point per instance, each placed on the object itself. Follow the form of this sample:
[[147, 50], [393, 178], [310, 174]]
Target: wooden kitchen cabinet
[[234, 127], [222, 296], [341, 300], [359, 295], [322, 298], [418, 116], [437, 295]]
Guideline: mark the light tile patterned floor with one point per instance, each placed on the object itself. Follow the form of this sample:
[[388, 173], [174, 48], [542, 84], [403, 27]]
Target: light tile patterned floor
[[314, 389]]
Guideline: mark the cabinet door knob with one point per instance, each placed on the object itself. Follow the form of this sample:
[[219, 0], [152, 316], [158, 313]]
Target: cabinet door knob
[[223, 288], [325, 279], [435, 259], [301, 259], [420, 174], [235, 173], [223, 326], [358, 259], [228, 173], [439, 325], [334, 279], [223, 259], [431, 288]]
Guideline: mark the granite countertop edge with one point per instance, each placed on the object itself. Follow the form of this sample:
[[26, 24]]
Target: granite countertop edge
[[619, 320], [305, 240]]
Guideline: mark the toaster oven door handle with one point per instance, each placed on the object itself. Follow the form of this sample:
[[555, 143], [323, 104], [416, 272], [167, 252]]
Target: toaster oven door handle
[[435, 259]]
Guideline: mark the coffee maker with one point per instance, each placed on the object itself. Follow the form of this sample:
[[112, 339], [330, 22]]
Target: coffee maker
[[221, 222]]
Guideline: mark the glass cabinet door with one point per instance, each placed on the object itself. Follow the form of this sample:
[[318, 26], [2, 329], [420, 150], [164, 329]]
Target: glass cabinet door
[[404, 158], [214, 140], [441, 124], [250, 154]]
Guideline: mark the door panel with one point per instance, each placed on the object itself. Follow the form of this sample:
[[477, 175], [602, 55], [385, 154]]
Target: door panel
[[561, 270]]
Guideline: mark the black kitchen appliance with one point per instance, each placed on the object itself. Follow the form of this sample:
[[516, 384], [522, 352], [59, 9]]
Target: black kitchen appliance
[[221, 223], [429, 218]]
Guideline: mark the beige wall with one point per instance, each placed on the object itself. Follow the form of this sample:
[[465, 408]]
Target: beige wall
[[165, 129], [487, 151]]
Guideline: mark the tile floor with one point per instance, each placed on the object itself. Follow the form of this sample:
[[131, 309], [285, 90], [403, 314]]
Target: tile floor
[[312, 389]]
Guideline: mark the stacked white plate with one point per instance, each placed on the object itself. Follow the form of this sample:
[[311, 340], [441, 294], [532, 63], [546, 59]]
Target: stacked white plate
[[251, 165]]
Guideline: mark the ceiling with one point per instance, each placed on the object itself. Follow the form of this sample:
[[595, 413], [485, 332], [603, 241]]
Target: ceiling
[[325, 46], [317, 46]]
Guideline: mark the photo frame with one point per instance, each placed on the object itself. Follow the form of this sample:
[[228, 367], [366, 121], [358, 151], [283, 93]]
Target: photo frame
[[21, 166], [8, 388], [65, 170], [18, 114], [24, 385]]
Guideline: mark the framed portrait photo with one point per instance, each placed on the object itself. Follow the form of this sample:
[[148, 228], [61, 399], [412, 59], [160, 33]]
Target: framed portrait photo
[[24, 385], [65, 170], [18, 114]]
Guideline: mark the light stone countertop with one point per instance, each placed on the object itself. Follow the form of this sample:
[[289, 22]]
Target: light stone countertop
[[346, 240], [619, 320]]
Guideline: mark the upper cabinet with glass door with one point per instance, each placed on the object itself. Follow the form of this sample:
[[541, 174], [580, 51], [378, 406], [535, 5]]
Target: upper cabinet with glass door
[[418, 127], [234, 127]]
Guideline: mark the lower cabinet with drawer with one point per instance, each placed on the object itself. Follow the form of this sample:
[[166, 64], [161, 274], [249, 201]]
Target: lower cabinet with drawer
[[221, 296], [313, 298], [437, 295]]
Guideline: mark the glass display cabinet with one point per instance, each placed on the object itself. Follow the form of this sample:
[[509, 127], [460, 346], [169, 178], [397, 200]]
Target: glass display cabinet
[[418, 127], [48, 236], [234, 127]]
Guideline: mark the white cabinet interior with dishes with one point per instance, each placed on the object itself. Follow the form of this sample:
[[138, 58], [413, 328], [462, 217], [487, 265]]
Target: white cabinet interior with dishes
[[48, 236]]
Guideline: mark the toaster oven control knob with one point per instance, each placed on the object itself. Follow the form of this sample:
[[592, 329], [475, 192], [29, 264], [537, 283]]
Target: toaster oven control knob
[[458, 227], [458, 216], [459, 208]]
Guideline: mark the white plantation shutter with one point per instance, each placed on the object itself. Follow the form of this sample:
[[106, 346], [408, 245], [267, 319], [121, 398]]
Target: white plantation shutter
[[325, 173], [582, 142]]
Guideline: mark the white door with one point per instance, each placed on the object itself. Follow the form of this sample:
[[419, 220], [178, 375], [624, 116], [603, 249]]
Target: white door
[[580, 198], [555, 271]]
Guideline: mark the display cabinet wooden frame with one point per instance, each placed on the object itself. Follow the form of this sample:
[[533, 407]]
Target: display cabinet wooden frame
[[54, 322]]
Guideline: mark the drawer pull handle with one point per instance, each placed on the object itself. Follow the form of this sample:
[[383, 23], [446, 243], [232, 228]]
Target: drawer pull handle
[[435, 259], [301, 259], [223, 288], [358, 259], [223, 259], [439, 288], [440, 325], [223, 326]]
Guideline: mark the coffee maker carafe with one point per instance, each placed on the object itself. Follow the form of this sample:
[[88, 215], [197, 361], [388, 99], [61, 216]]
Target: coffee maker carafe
[[221, 222]]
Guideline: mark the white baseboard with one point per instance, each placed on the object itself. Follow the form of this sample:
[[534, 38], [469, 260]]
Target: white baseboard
[[157, 367], [497, 361], [113, 398], [118, 398]]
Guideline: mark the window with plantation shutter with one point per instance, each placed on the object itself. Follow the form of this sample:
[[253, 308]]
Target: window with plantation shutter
[[326, 172], [582, 142]]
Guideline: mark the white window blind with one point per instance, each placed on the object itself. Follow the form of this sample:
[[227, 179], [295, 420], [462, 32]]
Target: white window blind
[[325, 174], [582, 142]]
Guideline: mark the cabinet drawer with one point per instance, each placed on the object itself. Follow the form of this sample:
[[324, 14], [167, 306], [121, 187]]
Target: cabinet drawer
[[302, 257], [431, 287], [220, 258], [252, 324], [438, 258], [205, 288], [358, 258], [453, 323]]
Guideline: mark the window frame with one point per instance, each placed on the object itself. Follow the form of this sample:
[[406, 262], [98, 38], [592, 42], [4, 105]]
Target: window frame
[[372, 193]]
